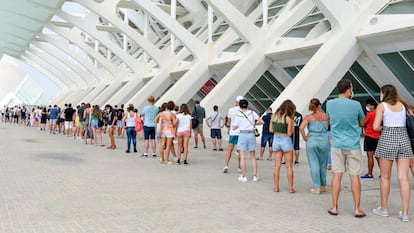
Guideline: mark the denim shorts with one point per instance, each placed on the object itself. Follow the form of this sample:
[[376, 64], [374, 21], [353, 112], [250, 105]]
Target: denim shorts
[[94, 124], [246, 142], [233, 139], [282, 143], [266, 138]]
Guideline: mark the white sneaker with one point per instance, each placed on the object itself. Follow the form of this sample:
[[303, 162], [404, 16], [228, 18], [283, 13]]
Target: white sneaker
[[242, 178], [255, 178], [379, 212], [175, 159], [239, 170], [225, 169], [404, 218]]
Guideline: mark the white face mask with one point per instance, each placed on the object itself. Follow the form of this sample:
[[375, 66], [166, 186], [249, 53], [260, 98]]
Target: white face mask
[[352, 95], [368, 109], [381, 97]]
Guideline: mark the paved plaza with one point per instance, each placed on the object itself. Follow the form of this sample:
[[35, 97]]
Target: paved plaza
[[52, 183]]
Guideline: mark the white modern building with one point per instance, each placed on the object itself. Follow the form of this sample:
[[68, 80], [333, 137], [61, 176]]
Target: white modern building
[[122, 51]]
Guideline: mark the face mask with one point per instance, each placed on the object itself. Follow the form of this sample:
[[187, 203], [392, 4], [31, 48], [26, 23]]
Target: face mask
[[352, 95], [381, 97], [368, 109]]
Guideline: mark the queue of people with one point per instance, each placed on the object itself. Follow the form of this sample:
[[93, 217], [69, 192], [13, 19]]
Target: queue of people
[[332, 138]]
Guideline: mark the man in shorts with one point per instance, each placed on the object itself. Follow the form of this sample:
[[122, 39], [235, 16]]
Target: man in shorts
[[371, 137], [199, 113], [234, 135], [346, 117], [149, 113], [267, 137], [53, 116], [69, 113], [215, 121]]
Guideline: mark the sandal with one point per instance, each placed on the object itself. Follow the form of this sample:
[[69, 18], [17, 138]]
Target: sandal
[[315, 191], [276, 190], [324, 189], [292, 190]]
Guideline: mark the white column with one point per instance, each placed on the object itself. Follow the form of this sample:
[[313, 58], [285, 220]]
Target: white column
[[146, 22], [125, 44], [173, 16], [265, 6], [210, 18], [97, 50]]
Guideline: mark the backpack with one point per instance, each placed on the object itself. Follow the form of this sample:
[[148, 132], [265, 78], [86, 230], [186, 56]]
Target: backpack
[[138, 124]]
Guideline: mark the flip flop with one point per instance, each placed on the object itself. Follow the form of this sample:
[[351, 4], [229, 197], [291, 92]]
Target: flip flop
[[361, 215], [332, 213]]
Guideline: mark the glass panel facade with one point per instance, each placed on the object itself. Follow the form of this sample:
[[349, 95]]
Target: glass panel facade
[[264, 92], [301, 29], [402, 7], [401, 65]]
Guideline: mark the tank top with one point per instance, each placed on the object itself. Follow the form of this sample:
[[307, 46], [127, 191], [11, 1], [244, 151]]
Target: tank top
[[393, 119], [130, 121], [279, 127]]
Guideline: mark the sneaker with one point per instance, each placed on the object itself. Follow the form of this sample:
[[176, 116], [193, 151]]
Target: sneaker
[[367, 177], [143, 155], [239, 170], [175, 159], [403, 218], [185, 162], [283, 162], [135, 151], [127, 151], [296, 163], [178, 162], [226, 169], [255, 178], [378, 211], [221, 149], [153, 155], [242, 178]]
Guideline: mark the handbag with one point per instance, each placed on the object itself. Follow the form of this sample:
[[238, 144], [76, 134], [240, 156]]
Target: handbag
[[409, 124], [255, 131], [194, 121]]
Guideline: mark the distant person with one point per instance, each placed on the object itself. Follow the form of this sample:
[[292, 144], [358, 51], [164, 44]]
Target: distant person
[[199, 113], [267, 136], [112, 117], [346, 117], [371, 137], [69, 114], [215, 121], [183, 132], [129, 120], [167, 119], [394, 144], [149, 112]]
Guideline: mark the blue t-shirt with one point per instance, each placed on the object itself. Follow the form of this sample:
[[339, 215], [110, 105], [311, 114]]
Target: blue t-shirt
[[53, 113], [266, 118], [344, 116], [149, 112]]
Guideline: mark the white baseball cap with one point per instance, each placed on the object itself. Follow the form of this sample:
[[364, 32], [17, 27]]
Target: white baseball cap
[[238, 98]]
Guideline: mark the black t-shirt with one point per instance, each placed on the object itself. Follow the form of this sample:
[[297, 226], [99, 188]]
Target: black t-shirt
[[69, 114], [119, 113], [111, 116]]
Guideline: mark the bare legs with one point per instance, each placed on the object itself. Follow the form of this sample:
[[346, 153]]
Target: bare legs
[[289, 169], [229, 151], [243, 162], [356, 192], [370, 155]]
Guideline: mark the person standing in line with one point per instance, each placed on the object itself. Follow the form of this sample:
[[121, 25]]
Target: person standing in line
[[183, 132], [371, 137], [317, 145], [120, 113], [69, 113], [112, 119], [149, 113], [53, 115], [346, 117], [81, 111], [233, 135], [199, 113], [295, 137], [267, 137], [129, 120], [245, 121], [282, 127], [215, 121], [87, 128], [394, 144], [94, 117], [43, 119], [168, 119]]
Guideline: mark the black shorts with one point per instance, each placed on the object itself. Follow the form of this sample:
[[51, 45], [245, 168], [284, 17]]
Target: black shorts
[[215, 133], [295, 138], [149, 132], [370, 144]]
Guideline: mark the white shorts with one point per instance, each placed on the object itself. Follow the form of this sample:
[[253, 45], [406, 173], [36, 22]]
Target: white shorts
[[68, 124]]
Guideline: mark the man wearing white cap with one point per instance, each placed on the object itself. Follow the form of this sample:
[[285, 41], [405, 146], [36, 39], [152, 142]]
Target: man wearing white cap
[[234, 135]]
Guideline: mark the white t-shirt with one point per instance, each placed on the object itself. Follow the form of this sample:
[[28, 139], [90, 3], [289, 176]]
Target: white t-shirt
[[232, 115], [183, 122], [215, 120], [244, 123]]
